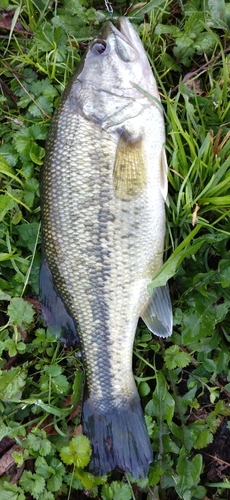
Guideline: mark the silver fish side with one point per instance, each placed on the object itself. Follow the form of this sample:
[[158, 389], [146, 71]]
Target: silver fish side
[[103, 189]]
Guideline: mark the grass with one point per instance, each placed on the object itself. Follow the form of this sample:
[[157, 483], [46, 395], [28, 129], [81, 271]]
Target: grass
[[184, 382]]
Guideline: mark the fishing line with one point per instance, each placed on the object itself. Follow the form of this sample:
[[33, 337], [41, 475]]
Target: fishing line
[[109, 7]]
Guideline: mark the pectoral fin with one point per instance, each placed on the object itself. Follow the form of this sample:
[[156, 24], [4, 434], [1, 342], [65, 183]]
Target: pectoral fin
[[129, 175], [60, 323], [157, 313]]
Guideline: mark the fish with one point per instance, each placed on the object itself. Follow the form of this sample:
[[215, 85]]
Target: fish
[[103, 194]]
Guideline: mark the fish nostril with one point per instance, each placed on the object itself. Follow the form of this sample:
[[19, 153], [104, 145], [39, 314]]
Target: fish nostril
[[99, 47]]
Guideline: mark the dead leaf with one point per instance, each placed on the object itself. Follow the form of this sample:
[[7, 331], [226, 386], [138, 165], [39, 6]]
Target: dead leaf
[[194, 215], [7, 461], [78, 431], [6, 22], [193, 85]]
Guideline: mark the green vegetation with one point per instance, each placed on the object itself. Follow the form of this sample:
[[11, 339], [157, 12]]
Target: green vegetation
[[184, 382]]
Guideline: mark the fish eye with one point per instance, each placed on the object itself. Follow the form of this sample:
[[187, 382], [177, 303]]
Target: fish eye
[[99, 47]]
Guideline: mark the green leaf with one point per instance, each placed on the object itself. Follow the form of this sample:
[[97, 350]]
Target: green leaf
[[53, 370], [224, 485], [36, 153], [209, 365], [4, 431], [45, 447], [20, 312], [78, 452], [22, 142], [175, 358], [32, 483], [44, 105], [7, 256], [37, 131], [155, 474], [116, 491], [58, 470], [54, 482], [42, 468], [77, 389], [11, 347], [189, 474], [60, 385], [28, 234], [12, 383], [162, 404], [38, 88], [169, 62], [18, 458], [205, 437], [121, 491], [218, 13], [4, 4], [184, 49], [170, 267], [144, 389], [88, 480], [6, 170], [194, 24], [48, 408], [37, 441], [205, 42], [47, 495], [4, 296], [11, 492], [6, 204], [201, 317], [224, 273], [43, 38], [25, 100], [53, 473], [149, 424]]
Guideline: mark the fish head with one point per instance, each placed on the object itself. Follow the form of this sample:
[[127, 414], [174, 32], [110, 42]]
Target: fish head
[[116, 58], [104, 87], [110, 84]]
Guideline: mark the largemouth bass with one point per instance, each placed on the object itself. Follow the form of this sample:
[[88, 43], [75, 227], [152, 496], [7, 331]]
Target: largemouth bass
[[104, 186]]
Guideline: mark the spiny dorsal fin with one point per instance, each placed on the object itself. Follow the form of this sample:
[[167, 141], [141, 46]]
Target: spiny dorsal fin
[[129, 175]]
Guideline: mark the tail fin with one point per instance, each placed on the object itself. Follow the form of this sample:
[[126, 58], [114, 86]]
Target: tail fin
[[118, 438]]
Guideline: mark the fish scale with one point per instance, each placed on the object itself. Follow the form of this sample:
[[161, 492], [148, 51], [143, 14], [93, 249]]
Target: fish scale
[[103, 226]]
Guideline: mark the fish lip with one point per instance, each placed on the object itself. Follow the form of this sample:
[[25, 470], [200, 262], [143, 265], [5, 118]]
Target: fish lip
[[123, 31], [123, 25], [127, 33]]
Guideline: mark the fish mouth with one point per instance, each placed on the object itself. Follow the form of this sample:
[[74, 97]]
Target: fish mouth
[[126, 37], [127, 43], [123, 25], [128, 33]]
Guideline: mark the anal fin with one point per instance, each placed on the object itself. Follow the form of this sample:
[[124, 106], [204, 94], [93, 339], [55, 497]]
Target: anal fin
[[54, 312], [157, 313]]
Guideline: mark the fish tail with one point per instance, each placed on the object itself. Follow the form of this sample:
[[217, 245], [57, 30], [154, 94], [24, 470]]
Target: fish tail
[[118, 437]]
